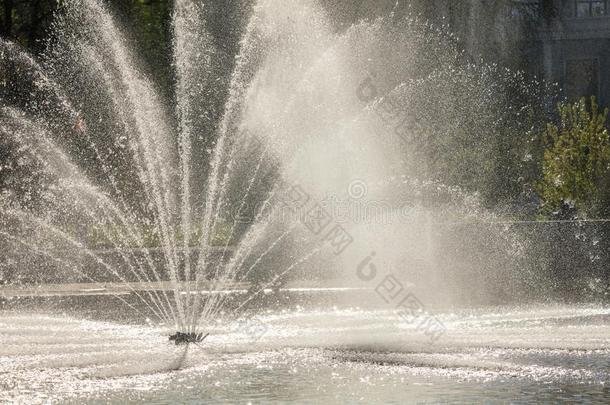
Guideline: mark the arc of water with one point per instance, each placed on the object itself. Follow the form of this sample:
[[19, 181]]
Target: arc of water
[[241, 207], [215, 185], [82, 185], [190, 41], [64, 236], [220, 263], [245, 248], [145, 178], [149, 135], [164, 226], [305, 76], [42, 79], [220, 192], [141, 276], [61, 262], [249, 241], [219, 301], [252, 236], [276, 278]]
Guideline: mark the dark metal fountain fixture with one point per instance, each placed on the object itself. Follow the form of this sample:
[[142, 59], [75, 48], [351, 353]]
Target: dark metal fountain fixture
[[182, 338]]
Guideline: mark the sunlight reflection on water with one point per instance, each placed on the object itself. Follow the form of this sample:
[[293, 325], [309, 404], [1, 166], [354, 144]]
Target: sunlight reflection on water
[[544, 353]]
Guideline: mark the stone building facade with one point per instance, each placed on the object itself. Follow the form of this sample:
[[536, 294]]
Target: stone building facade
[[573, 48], [563, 41]]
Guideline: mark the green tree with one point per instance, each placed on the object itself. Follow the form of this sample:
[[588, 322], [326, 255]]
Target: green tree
[[576, 158]]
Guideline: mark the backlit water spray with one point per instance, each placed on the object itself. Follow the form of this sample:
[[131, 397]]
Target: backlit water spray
[[192, 223]]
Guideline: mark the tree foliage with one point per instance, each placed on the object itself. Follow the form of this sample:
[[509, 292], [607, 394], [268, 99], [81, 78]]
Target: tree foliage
[[576, 157]]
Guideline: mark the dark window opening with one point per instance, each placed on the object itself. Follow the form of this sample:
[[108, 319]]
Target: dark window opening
[[591, 8]]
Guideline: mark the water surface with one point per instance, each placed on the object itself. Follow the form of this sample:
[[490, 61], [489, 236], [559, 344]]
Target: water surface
[[493, 355]]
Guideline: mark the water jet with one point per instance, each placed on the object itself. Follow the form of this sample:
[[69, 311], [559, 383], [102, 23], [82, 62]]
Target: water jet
[[134, 219]]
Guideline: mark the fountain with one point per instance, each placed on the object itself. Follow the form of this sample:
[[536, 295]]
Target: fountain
[[199, 228]]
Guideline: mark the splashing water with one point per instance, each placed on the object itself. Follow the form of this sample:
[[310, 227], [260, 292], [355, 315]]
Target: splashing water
[[162, 210], [130, 188]]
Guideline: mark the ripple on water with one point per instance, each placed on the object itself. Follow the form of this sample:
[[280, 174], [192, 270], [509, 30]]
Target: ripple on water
[[311, 354]]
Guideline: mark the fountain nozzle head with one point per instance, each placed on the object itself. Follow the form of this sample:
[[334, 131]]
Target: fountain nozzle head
[[182, 338]]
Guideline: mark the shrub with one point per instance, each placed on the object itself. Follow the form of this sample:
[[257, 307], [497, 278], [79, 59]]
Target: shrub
[[576, 158]]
